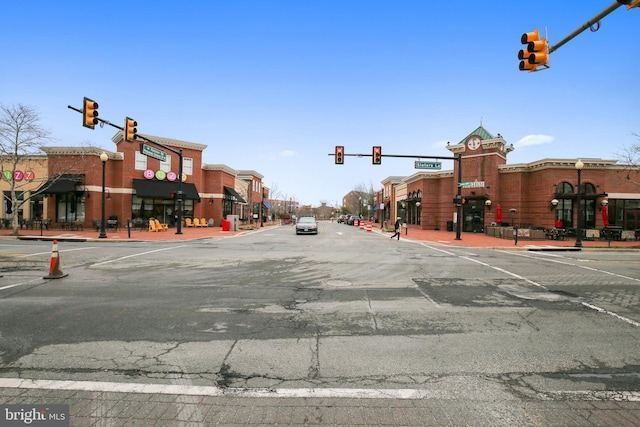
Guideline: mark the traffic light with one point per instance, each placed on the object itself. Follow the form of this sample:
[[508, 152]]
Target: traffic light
[[339, 155], [630, 3], [89, 113], [377, 155], [130, 129], [535, 54]]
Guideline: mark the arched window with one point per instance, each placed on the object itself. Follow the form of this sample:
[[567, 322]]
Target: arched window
[[564, 209], [564, 188], [588, 188]]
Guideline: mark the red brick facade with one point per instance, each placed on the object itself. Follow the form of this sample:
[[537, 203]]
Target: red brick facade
[[120, 172], [524, 192]]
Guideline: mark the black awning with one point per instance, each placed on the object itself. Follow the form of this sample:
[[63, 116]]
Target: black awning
[[231, 192], [152, 189], [267, 204], [63, 183]]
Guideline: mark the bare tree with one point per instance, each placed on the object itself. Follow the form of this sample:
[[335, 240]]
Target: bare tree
[[630, 155], [20, 136]]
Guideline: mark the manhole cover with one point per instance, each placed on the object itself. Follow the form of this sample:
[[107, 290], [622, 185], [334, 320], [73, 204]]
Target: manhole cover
[[338, 283]]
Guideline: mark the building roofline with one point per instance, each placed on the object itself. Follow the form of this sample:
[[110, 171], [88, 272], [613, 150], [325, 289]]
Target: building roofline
[[249, 173], [119, 137], [82, 151], [220, 167]]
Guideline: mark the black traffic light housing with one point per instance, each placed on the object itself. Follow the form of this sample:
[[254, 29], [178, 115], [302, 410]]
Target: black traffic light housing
[[377, 155]]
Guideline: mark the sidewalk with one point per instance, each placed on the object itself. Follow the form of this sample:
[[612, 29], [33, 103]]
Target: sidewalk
[[427, 236]]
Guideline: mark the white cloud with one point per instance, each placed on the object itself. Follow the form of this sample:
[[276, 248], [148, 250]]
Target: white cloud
[[534, 140], [287, 153]]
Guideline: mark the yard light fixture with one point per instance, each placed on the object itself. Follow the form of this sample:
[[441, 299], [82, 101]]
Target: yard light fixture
[[487, 203], [554, 203]]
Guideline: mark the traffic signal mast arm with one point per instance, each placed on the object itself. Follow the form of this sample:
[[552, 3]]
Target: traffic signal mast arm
[[527, 64], [630, 4], [407, 156]]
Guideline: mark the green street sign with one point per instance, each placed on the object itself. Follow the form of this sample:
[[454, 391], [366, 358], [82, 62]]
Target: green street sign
[[150, 151], [428, 165], [464, 184]]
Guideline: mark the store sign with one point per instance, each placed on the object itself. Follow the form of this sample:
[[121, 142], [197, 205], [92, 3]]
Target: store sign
[[18, 175], [162, 175]]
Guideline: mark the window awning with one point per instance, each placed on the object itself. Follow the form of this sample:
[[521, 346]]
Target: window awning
[[231, 192], [151, 189], [267, 204], [62, 183]]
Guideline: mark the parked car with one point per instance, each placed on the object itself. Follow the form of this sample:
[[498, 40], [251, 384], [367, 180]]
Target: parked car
[[352, 219], [306, 225], [342, 218]]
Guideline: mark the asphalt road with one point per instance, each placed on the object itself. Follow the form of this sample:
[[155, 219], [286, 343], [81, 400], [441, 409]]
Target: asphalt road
[[356, 315]]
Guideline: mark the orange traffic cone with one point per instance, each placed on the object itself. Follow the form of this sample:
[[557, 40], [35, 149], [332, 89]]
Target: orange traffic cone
[[54, 268]]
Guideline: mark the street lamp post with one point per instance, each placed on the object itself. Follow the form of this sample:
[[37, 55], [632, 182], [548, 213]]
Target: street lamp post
[[103, 159], [515, 227], [579, 166]]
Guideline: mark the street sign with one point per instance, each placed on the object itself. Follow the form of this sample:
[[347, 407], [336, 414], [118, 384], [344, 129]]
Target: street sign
[[464, 184], [150, 151], [428, 165]]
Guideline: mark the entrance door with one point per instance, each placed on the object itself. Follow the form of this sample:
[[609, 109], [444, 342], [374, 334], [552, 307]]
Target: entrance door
[[473, 216], [631, 219]]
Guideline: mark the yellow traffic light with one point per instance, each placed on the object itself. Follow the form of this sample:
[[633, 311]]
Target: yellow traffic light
[[130, 129], [339, 155], [377, 155], [89, 113], [536, 52]]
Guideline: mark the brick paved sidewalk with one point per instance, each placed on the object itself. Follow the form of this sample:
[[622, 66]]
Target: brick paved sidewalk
[[431, 236]]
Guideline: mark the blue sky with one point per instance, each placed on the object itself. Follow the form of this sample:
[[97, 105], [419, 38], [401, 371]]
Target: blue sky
[[274, 86]]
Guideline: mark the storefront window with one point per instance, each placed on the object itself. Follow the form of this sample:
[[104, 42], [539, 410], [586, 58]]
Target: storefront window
[[69, 207], [162, 209]]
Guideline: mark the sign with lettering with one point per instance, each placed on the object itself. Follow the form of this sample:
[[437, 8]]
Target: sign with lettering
[[427, 165], [150, 151]]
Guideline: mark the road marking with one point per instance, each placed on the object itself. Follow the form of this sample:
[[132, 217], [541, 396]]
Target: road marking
[[584, 267], [611, 313], [502, 270], [591, 306], [65, 250], [192, 390], [138, 254], [19, 284]]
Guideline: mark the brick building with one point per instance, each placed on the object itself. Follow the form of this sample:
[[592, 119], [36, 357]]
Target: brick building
[[530, 195], [139, 186]]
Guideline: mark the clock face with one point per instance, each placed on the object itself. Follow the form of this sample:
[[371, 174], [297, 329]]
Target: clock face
[[473, 143]]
